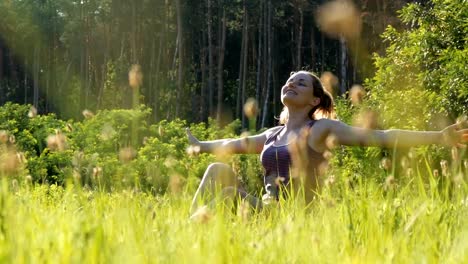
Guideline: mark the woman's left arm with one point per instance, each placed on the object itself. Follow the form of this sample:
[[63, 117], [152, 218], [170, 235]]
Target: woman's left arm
[[454, 135]]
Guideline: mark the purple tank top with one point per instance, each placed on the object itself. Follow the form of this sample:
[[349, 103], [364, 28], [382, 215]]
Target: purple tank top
[[276, 160]]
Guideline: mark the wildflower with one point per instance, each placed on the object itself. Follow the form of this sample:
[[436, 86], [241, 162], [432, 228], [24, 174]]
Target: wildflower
[[435, 173]]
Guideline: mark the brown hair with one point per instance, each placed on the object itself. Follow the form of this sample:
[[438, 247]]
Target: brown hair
[[324, 109]]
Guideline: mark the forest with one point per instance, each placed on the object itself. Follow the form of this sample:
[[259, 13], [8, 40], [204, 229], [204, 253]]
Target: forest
[[197, 59]]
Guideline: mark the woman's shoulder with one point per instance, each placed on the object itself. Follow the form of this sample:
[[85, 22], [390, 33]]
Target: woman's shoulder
[[325, 124], [271, 131]]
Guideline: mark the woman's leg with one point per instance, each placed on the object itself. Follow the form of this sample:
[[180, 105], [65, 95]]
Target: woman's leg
[[218, 176]]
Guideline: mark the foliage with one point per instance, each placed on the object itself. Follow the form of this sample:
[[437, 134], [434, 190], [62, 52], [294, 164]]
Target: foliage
[[423, 74]]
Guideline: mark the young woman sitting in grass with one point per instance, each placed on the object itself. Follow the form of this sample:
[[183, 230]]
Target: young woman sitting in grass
[[294, 151]]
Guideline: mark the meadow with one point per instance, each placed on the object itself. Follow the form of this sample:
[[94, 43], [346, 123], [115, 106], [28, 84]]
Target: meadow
[[103, 201], [358, 224]]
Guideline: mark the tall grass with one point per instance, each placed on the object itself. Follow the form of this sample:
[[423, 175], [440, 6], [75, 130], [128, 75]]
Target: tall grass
[[422, 220]]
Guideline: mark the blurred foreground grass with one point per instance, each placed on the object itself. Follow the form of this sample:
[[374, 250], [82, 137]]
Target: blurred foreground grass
[[359, 223]]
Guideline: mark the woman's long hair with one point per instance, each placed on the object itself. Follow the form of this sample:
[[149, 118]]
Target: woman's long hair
[[325, 109]]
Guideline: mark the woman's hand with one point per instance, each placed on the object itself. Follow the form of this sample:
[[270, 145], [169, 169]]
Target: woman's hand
[[193, 141], [455, 135]]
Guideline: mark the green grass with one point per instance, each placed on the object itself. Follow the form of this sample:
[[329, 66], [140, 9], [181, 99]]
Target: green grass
[[420, 221]]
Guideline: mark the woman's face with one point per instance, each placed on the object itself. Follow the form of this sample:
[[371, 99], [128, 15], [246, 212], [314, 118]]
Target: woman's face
[[298, 91]]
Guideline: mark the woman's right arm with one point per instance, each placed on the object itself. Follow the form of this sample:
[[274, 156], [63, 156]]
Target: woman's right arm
[[245, 145]]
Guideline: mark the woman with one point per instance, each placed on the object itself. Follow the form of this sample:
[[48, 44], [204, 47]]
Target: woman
[[296, 148]]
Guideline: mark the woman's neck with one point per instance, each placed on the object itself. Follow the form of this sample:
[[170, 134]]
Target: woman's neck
[[297, 119]]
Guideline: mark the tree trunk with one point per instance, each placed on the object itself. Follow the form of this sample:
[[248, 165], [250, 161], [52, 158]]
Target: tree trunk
[[269, 39], [204, 87], [210, 60], [244, 57], [180, 75], [36, 76], [299, 39], [343, 65], [240, 88], [221, 66], [259, 58]]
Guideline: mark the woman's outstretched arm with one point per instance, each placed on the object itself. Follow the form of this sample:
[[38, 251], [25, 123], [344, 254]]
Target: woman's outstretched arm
[[244, 145], [453, 135]]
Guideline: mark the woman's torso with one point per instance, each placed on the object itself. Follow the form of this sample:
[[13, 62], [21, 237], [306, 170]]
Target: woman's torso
[[277, 162]]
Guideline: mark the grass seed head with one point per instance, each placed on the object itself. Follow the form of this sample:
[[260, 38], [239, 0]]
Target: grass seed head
[[389, 182], [87, 114], [404, 162], [331, 141], [202, 215], [57, 141], [367, 119], [135, 76], [193, 150], [356, 94], [9, 162], [386, 164], [243, 211], [340, 18], [3, 136], [32, 112], [175, 183], [454, 152], [444, 167], [251, 108], [28, 179], [329, 82], [127, 154], [97, 172]]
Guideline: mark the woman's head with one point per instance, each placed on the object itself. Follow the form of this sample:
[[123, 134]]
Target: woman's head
[[304, 90]]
